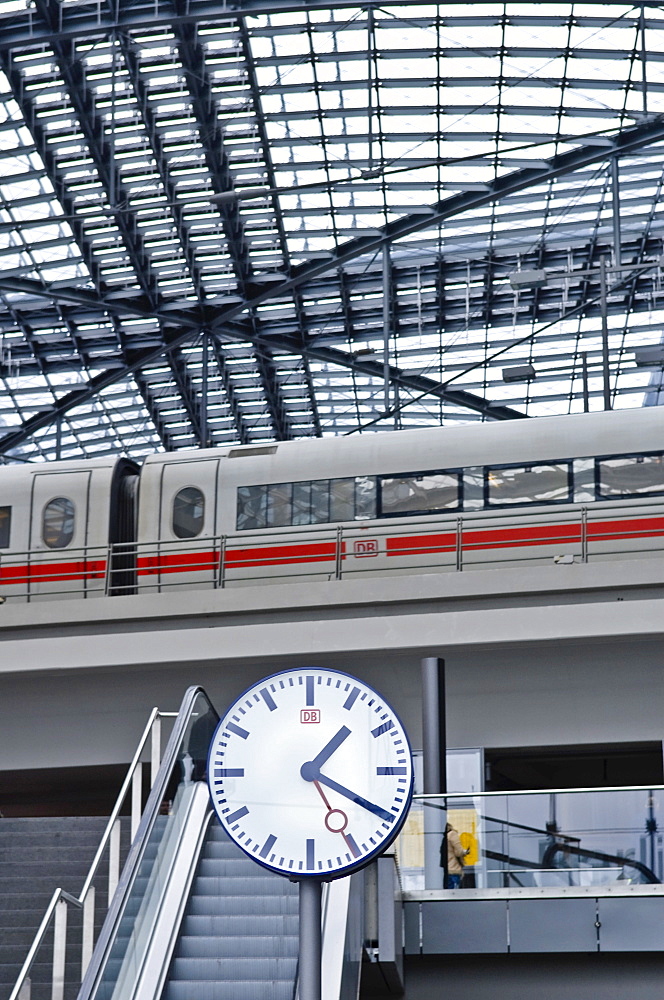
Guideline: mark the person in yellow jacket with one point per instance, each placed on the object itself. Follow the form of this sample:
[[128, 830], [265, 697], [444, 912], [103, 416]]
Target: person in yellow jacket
[[455, 855]]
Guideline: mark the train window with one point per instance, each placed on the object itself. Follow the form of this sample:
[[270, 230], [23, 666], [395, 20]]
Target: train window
[[58, 522], [319, 501], [426, 491], [521, 484], [365, 497], [188, 512], [301, 503], [279, 505], [342, 499], [5, 524], [629, 475], [251, 508]]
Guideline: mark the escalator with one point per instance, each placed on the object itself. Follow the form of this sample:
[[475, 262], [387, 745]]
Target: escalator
[[239, 936], [193, 918]]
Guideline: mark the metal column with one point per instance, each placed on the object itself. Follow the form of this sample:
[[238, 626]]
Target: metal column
[[310, 939], [434, 743], [606, 371], [387, 295]]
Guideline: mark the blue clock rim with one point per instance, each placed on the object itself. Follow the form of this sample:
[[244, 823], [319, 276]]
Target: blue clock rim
[[333, 873]]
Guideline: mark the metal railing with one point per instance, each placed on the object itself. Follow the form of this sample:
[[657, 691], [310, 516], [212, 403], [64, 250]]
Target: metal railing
[[569, 533], [57, 911]]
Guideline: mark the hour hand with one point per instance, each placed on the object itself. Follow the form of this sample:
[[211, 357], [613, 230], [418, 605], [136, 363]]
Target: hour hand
[[310, 769]]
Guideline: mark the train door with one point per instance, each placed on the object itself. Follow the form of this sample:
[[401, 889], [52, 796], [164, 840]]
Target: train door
[[186, 552], [60, 562]]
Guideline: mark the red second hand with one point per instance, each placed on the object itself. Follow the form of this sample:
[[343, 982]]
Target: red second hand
[[350, 843]]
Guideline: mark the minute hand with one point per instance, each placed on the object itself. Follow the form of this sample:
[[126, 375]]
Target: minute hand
[[354, 797]]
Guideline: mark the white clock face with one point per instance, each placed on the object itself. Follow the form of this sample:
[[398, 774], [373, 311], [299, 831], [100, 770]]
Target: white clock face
[[310, 773]]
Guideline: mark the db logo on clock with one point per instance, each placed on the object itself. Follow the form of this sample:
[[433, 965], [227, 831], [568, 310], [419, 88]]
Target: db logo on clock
[[310, 715]]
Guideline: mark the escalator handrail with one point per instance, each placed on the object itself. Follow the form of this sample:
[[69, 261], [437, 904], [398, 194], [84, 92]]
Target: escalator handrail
[[557, 848], [530, 829], [136, 851]]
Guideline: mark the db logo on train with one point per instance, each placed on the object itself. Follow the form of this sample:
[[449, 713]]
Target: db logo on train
[[310, 715], [365, 547]]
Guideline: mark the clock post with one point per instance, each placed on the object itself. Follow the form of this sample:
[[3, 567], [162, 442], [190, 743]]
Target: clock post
[[311, 775], [311, 943]]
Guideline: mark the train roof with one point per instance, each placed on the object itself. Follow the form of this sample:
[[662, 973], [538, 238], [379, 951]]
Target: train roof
[[543, 437]]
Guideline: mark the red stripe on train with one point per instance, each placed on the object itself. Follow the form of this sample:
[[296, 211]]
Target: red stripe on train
[[634, 527], [180, 562], [301, 552], [80, 569], [496, 538], [484, 538], [272, 555], [276, 555]]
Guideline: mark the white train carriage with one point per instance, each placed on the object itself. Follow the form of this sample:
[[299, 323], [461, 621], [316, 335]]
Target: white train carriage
[[571, 488], [57, 524]]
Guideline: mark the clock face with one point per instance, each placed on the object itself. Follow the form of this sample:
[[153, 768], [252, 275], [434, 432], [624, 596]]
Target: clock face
[[310, 773]]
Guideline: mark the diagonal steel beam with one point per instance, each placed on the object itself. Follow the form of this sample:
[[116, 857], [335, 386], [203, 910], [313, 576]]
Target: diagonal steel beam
[[217, 320]]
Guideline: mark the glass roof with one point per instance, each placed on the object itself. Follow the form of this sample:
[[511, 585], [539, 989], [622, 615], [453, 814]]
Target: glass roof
[[277, 222]]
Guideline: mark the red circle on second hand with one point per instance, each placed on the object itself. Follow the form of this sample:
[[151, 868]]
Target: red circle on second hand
[[335, 829]]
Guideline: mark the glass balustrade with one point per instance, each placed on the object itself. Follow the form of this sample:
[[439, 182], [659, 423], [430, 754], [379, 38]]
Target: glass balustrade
[[542, 839]]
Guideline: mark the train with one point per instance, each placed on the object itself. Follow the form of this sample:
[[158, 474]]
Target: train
[[554, 489]]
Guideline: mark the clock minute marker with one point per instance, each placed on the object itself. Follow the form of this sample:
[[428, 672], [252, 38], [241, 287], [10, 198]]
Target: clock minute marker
[[268, 699], [237, 815], [350, 700], [268, 845], [237, 730], [385, 728]]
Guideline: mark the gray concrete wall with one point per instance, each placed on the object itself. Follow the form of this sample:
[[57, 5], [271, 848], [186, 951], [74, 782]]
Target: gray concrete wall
[[537, 695]]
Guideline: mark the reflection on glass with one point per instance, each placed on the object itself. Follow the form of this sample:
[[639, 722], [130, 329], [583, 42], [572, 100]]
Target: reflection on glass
[[528, 484], [5, 524], [251, 508], [419, 493], [342, 499], [188, 512], [58, 522], [632, 475], [540, 839], [320, 501], [365, 497], [279, 505]]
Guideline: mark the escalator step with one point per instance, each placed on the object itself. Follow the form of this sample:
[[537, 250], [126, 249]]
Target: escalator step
[[240, 924], [228, 905], [249, 990], [236, 946], [237, 885], [233, 866], [237, 969]]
